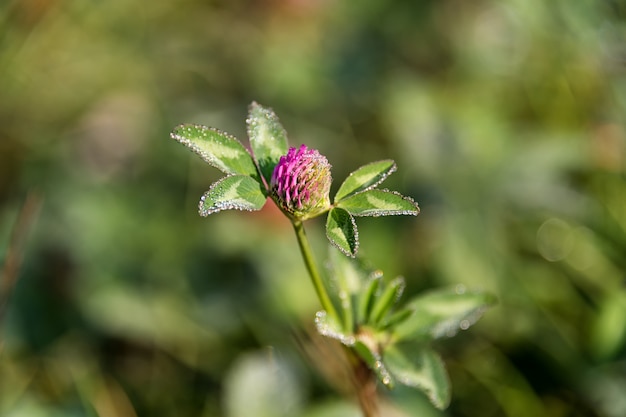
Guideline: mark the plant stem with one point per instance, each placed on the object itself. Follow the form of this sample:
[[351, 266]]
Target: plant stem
[[365, 386], [362, 377], [316, 278]]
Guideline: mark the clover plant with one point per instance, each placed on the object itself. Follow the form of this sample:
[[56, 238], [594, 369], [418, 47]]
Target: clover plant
[[364, 312]]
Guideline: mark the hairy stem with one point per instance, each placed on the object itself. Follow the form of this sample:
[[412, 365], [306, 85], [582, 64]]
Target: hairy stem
[[365, 386], [362, 377], [316, 278]]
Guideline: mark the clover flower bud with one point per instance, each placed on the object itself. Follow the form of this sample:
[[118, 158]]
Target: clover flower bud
[[301, 182]]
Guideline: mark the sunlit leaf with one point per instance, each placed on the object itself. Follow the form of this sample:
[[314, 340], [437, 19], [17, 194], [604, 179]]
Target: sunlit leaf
[[342, 232], [442, 313], [379, 203], [268, 139], [422, 368], [236, 192], [365, 178], [219, 149]]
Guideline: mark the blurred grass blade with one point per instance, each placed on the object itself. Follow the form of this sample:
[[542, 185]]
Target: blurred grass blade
[[237, 192], [365, 178], [262, 384], [379, 203], [420, 367], [219, 149], [13, 256], [268, 138], [342, 232]]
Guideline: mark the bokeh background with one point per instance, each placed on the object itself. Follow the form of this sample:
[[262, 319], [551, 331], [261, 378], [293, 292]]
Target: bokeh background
[[506, 119]]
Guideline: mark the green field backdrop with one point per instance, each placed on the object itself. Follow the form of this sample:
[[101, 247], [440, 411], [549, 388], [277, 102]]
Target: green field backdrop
[[506, 119]]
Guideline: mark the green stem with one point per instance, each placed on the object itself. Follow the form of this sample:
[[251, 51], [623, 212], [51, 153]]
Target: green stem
[[316, 278], [363, 379]]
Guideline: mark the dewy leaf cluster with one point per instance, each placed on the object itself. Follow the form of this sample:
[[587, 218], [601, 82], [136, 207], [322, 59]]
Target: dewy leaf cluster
[[360, 308], [394, 339], [249, 178]]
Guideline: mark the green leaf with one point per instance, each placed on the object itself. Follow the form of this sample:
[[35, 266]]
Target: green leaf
[[345, 281], [268, 139], [237, 192], [327, 326], [341, 231], [396, 317], [442, 313], [219, 149], [374, 362], [352, 286], [365, 178], [379, 203], [348, 274], [366, 298], [386, 300], [420, 367]]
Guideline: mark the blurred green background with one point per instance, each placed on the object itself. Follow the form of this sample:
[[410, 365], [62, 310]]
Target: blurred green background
[[506, 119]]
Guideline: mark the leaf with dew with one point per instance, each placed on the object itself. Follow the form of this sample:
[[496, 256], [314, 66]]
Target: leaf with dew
[[422, 368], [365, 178], [367, 296], [236, 192], [342, 232], [383, 303], [328, 327], [379, 203], [218, 148], [442, 313], [268, 138]]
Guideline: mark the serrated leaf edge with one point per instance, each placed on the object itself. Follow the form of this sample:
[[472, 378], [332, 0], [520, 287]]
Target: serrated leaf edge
[[207, 157], [356, 236], [383, 213], [391, 170], [221, 206], [426, 390], [272, 117]]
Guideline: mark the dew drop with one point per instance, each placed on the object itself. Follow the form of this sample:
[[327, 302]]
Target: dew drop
[[348, 341], [386, 380], [464, 325], [377, 274], [450, 330]]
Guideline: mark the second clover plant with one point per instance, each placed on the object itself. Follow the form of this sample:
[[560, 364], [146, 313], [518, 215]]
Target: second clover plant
[[360, 309]]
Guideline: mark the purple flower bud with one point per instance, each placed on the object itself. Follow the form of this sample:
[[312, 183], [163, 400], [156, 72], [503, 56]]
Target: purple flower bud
[[301, 182]]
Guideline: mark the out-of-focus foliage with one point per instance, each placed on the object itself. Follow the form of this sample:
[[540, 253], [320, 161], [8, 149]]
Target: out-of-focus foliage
[[506, 119]]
